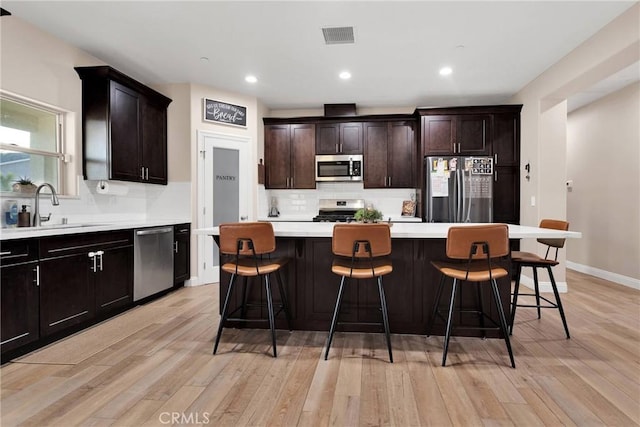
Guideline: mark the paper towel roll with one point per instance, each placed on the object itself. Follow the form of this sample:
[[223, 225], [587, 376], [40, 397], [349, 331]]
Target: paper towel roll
[[111, 188]]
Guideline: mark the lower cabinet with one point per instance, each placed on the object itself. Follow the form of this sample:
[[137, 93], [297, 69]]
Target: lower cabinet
[[19, 297], [84, 276], [181, 255]]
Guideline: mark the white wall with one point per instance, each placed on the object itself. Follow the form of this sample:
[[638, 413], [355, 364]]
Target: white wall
[[543, 131], [603, 161]]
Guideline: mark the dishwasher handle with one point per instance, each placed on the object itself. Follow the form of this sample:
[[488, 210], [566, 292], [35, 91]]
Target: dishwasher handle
[[154, 231]]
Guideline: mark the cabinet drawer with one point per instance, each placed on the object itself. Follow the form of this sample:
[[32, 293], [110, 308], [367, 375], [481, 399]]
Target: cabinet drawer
[[18, 251], [57, 246]]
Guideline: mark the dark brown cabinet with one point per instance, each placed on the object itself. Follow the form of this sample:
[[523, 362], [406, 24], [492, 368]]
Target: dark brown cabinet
[[124, 128], [84, 276], [465, 134], [506, 156], [181, 255], [20, 294], [290, 156], [339, 138], [389, 154]]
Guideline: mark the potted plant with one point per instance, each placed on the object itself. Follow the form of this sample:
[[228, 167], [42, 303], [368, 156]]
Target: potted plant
[[24, 185], [367, 215]]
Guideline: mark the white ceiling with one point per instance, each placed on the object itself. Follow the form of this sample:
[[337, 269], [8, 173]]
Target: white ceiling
[[494, 47]]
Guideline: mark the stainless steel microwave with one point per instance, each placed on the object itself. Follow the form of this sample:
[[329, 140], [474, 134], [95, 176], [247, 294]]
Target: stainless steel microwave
[[339, 167]]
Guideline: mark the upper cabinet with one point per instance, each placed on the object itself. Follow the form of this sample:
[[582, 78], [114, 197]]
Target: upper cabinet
[[289, 151], [124, 128], [465, 134], [339, 138], [389, 154]]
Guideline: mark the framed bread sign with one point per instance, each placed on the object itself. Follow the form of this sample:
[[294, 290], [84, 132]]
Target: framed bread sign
[[221, 112]]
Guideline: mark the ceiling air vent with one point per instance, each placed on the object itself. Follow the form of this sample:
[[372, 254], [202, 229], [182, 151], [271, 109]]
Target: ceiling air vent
[[338, 35]]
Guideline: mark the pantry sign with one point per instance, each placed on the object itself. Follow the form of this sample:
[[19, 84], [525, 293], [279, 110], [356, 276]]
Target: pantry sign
[[221, 112]]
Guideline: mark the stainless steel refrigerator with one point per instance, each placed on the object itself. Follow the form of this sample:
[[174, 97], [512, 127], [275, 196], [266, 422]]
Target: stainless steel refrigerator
[[458, 189]]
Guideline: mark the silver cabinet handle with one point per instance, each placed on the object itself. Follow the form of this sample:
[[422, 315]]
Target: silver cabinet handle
[[389, 181], [94, 267], [146, 174], [337, 150], [37, 271], [99, 254], [291, 182], [142, 173], [5, 253], [341, 148], [495, 159], [175, 247]]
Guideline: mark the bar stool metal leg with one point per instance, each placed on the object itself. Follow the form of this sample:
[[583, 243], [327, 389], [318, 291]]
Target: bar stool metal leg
[[284, 298], [385, 317], [272, 322], [223, 316], [435, 306], [514, 304], [503, 321], [537, 289], [334, 320], [449, 321], [558, 302]]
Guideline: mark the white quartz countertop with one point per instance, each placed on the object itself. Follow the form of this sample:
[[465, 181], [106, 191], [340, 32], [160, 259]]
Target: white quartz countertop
[[401, 230], [61, 229]]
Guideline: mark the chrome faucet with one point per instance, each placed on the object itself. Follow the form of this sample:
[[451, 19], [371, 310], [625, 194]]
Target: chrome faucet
[[37, 219]]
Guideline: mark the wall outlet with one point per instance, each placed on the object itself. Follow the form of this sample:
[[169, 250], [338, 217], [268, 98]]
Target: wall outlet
[[533, 200]]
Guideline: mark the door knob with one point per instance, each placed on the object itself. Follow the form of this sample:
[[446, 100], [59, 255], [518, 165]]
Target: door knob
[[244, 218]]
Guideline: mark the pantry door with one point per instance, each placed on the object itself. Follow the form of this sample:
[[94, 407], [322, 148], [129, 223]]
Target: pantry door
[[223, 195]]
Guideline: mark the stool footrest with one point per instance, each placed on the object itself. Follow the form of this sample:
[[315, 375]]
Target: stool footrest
[[551, 303]]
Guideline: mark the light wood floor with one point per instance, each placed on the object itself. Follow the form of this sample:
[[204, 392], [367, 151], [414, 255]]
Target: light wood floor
[[164, 373]]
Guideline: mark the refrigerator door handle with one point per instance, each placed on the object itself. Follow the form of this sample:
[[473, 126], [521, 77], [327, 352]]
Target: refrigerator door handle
[[468, 214], [458, 196]]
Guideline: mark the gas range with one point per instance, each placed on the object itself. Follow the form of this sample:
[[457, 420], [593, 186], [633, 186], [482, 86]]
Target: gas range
[[337, 210]]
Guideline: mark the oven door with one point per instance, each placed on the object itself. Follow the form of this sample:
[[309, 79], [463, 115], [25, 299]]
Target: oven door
[[338, 168]]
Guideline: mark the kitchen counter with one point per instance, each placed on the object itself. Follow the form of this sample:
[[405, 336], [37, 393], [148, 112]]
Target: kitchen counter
[[61, 229], [401, 230]]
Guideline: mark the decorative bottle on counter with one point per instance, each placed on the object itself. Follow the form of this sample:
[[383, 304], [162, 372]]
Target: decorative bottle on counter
[[24, 217], [11, 213]]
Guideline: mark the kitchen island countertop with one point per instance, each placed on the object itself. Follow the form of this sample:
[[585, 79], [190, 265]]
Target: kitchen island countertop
[[401, 230]]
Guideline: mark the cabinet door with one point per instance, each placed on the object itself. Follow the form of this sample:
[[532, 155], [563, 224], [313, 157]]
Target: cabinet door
[[19, 305], [473, 134], [401, 165], [438, 133], [303, 152], [154, 143], [113, 279], [277, 153], [506, 195], [125, 133], [375, 155], [351, 138], [67, 295], [328, 138], [181, 256], [506, 141]]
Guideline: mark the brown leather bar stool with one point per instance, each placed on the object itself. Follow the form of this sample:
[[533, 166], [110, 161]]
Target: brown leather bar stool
[[361, 252], [475, 248], [250, 245], [527, 259]]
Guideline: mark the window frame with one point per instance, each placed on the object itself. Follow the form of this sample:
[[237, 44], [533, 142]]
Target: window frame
[[59, 154]]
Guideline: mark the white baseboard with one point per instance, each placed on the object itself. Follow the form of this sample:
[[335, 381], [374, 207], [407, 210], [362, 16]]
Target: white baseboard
[[606, 275], [544, 286]]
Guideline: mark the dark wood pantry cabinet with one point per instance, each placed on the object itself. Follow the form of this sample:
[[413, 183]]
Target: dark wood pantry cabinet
[[19, 300], [467, 134], [389, 154], [124, 128], [289, 151]]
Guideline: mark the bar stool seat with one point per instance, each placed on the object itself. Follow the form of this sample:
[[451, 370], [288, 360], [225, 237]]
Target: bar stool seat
[[361, 252], [521, 259], [472, 251], [250, 245]]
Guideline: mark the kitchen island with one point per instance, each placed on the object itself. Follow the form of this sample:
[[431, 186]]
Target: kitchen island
[[410, 288]]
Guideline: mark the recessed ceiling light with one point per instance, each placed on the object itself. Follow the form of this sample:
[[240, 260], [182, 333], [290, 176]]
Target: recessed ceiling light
[[345, 75], [251, 79], [445, 71]]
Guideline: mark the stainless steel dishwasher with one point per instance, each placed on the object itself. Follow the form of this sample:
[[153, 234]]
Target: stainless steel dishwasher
[[152, 261]]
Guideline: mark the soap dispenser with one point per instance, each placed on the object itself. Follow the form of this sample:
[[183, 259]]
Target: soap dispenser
[[24, 217]]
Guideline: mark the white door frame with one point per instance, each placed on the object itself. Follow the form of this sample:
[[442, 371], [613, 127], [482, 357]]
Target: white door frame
[[208, 270]]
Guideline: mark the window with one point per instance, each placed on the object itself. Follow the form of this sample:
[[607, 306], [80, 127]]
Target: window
[[30, 143]]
